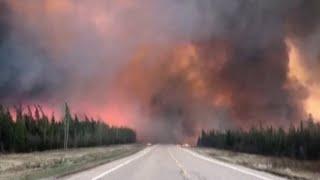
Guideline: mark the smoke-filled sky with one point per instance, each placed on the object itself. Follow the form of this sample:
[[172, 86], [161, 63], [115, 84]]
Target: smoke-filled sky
[[167, 68]]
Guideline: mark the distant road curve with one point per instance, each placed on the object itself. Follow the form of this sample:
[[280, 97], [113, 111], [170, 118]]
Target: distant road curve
[[160, 162]]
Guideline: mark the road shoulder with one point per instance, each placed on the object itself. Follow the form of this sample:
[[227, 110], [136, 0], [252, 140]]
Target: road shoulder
[[59, 163], [284, 167]]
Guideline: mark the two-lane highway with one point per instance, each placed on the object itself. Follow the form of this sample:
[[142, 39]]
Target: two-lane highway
[[170, 162]]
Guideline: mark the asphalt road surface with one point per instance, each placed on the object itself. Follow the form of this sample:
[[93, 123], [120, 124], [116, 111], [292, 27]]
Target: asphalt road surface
[[170, 162]]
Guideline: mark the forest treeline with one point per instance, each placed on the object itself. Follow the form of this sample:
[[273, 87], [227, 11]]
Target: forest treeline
[[26, 129], [302, 142]]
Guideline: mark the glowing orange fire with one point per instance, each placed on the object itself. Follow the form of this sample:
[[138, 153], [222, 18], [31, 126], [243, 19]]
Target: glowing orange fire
[[147, 66], [299, 72]]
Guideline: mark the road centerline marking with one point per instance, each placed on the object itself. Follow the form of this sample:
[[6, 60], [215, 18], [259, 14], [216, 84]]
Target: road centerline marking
[[143, 153], [224, 164], [183, 170]]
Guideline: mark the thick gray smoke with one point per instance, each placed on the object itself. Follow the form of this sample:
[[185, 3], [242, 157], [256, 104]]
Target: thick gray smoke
[[26, 70], [168, 67]]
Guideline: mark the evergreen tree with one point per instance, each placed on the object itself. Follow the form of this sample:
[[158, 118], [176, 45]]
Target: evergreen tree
[[32, 131], [302, 142]]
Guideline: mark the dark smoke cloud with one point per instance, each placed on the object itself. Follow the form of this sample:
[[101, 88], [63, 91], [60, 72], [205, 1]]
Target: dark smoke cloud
[[4, 21], [26, 71], [304, 18], [97, 52]]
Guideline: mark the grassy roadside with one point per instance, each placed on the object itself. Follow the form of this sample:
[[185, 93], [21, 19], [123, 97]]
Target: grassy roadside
[[57, 163], [289, 168]]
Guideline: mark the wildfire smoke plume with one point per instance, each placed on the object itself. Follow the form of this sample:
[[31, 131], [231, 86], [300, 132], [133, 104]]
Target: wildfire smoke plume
[[167, 68]]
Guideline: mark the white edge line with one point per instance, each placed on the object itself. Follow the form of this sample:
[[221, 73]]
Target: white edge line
[[144, 152], [225, 164]]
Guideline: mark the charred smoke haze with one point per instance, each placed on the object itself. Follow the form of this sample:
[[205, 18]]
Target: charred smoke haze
[[167, 68]]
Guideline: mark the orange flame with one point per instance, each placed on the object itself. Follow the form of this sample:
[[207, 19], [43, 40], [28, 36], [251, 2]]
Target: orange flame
[[298, 71]]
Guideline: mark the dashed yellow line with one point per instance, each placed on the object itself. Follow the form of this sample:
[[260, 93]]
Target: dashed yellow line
[[185, 173]]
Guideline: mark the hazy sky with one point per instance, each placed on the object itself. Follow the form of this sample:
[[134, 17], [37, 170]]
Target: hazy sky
[[167, 68]]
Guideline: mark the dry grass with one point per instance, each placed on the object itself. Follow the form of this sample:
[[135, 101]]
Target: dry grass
[[289, 168], [58, 162]]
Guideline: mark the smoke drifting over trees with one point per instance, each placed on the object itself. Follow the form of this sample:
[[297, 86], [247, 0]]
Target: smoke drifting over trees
[[167, 68]]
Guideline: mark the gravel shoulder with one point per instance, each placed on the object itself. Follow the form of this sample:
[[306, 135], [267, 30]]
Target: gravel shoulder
[[58, 163], [289, 168]]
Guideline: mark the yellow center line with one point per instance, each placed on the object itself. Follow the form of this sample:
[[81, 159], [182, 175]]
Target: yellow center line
[[185, 173]]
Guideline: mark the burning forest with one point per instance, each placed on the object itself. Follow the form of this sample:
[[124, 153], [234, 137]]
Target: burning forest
[[167, 68]]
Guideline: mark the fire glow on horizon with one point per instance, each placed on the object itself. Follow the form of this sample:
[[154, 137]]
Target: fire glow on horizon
[[165, 68]]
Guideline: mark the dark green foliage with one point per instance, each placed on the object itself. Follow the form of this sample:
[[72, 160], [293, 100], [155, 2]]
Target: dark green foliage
[[301, 142], [33, 130]]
